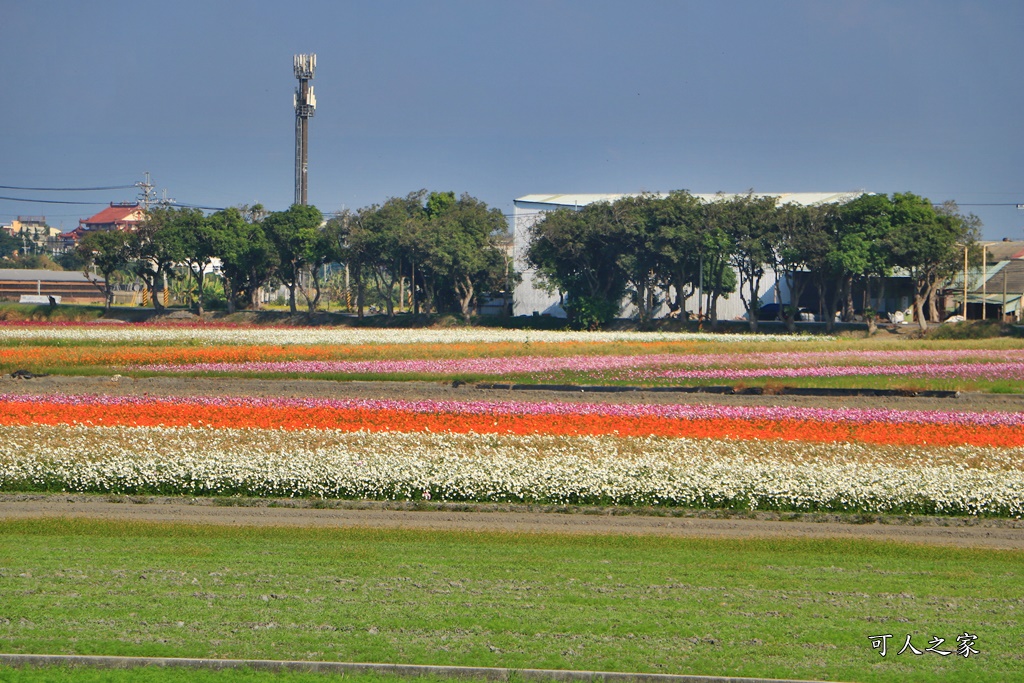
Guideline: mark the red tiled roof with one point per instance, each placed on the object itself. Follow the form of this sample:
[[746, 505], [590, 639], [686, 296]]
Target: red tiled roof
[[73, 235], [112, 214]]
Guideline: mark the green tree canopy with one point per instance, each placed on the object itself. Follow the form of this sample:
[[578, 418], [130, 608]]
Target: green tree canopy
[[108, 250], [248, 259], [296, 236]]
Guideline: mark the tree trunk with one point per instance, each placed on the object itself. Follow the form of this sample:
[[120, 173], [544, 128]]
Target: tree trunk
[[848, 298], [229, 294], [150, 283], [933, 308], [465, 294], [713, 310], [360, 294], [840, 285], [312, 303], [820, 287], [919, 309], [789, 313]]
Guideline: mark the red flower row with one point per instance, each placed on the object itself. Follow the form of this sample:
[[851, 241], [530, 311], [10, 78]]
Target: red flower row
[[155, 412]]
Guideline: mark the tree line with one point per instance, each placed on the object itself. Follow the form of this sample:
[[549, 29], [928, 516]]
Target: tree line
[[446, 252], [661, 252]]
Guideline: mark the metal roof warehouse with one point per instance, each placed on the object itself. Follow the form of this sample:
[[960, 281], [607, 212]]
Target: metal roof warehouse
[[70, 286]]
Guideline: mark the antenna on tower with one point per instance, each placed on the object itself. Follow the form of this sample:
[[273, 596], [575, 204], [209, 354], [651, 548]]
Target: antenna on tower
[[305, 106]]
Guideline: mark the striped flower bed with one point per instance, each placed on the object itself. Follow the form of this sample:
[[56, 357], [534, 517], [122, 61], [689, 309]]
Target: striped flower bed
[[710, 365], [511, 417], [781, 475], [150, 334]]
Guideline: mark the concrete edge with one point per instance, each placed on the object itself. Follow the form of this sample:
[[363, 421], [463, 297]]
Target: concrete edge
[[411, 670]]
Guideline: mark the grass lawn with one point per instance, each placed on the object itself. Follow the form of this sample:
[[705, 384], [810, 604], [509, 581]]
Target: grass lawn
[[775, 608]]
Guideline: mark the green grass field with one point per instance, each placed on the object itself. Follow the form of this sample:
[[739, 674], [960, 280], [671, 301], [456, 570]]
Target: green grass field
[[776, 608]]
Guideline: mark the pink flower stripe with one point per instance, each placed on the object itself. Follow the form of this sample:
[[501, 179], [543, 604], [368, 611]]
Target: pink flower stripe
[[929, 370], [679, 411], [773, 362]]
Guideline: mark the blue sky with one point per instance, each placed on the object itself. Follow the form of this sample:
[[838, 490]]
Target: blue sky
[[503, 99]]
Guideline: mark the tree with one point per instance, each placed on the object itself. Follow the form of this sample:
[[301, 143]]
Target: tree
[[643, 239], [154, 250], [856, 238], [458, 242], [578, 252], [350, 242], [248, 258], [189, 239], [381, 241], [925, 243], [9, 245], [802, 247], [750, 224], [109, 251], [969, 227], [680, 219], [295, 234]]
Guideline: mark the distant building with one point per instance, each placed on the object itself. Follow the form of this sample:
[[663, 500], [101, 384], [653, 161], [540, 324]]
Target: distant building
[[994, 291], [531, 299], [68, 286], [33, 232], [117, 216]]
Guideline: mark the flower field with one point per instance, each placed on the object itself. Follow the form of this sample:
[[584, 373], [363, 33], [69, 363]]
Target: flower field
[[698, 455], [680, 455], [632, 358]]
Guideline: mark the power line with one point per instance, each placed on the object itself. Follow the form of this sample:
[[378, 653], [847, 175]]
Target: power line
[[196, 206], [51, 201], [66, 189]]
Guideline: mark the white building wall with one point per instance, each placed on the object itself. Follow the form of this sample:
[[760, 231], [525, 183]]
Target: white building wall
[[530, 298]]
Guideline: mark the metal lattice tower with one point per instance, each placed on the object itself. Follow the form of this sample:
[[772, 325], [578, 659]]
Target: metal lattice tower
[[305, 107]]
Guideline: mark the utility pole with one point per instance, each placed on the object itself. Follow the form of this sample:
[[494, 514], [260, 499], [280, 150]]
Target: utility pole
[[147, 191], [305, 106], [147, 194]]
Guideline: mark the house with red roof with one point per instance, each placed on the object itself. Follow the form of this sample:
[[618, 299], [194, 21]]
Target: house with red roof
[[117, 216]]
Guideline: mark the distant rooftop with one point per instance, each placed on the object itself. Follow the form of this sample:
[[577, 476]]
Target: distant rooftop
[[33, 275], [115, 213], [1004, 251]]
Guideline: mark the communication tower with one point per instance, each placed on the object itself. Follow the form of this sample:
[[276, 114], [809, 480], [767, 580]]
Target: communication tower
[[305, 107]]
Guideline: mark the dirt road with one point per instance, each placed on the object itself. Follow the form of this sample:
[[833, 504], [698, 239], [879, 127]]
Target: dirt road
[[255, 512], [228, 386]]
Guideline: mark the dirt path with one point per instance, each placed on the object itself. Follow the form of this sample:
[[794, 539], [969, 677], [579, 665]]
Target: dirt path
[[226, 386], [942, 531]]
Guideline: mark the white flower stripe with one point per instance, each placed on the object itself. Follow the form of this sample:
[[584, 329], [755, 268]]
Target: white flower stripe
[[502, 468]]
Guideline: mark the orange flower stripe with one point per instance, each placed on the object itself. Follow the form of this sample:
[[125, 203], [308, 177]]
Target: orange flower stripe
[[53, 356], [170, 414]]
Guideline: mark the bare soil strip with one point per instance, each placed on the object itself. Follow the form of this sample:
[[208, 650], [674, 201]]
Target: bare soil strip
[[313, 388], [962, 532]]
